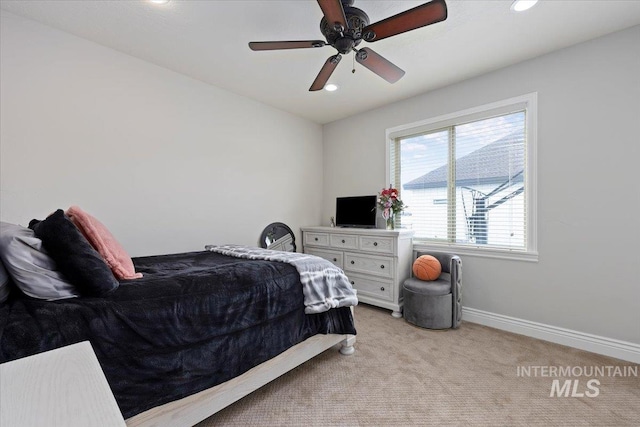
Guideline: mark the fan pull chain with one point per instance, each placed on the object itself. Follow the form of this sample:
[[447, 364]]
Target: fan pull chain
[[353, 68]]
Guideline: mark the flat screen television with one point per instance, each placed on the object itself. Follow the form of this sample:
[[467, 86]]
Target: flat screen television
[[356, 211]]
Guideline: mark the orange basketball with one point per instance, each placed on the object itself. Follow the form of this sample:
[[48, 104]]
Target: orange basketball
[[427, 267]]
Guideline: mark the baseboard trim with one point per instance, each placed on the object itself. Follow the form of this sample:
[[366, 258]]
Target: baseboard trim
[[623, 350]]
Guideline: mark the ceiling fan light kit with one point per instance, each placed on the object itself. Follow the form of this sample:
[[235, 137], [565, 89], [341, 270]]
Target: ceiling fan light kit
[[345, 27]]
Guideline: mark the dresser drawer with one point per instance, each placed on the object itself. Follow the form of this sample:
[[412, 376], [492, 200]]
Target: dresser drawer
[[316, 239], [344, 241], [335, 257], [383, 245], [378, 288], [371, 264]]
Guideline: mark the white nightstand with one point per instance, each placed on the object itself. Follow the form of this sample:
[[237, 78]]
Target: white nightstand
[[63, 387]]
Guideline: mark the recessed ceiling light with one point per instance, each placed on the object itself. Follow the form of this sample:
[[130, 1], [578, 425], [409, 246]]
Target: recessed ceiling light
[[159, 1], [331, 87], [522, 5]]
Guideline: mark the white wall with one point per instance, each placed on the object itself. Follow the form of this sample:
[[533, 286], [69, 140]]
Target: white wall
[[587, 278], [168, 163]]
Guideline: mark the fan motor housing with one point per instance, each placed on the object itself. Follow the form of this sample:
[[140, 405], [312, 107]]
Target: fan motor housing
[[352, 35]]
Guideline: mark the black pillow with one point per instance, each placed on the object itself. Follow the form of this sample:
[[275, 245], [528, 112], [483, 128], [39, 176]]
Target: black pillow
[[75, 257]]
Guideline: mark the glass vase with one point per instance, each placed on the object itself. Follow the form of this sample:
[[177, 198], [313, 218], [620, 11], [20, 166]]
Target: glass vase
[[391, 222]]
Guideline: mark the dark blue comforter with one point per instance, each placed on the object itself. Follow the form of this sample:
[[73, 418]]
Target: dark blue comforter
[[193, 321]]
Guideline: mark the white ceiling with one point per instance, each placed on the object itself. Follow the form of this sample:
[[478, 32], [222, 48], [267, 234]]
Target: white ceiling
[[207, 40]]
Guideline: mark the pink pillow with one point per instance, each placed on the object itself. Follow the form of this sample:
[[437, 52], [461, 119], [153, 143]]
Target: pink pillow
[[103, 241]]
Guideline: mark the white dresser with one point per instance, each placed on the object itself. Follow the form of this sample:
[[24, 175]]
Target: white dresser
[[376, 261]]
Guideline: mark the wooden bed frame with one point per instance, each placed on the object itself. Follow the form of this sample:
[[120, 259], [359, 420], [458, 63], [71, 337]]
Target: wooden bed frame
[[195, 408]]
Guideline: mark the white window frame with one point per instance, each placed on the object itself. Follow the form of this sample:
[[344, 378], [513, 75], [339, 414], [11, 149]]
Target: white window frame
[[527, 102]]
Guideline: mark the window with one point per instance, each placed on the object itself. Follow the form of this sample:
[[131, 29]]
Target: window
[[468, 178]]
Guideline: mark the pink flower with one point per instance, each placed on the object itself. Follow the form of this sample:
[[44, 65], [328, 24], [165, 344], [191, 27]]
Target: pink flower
[[389, 201]]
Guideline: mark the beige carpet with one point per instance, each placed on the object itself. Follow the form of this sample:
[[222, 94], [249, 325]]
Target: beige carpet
[[401, 375]]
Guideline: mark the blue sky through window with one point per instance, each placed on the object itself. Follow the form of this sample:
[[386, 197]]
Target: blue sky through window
[[423, 153]]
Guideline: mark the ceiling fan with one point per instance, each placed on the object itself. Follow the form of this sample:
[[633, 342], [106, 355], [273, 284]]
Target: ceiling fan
[[345, 26]]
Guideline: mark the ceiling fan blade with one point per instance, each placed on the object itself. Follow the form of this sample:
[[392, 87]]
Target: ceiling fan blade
[[302, 44], [333, 12], [421, 16], [325, 72], [379, 65]]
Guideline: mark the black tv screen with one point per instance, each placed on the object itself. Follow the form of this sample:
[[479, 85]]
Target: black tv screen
[[357, 211]]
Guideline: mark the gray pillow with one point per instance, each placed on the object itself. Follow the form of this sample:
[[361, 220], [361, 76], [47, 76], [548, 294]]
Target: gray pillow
[[29, 265], [4, 283]]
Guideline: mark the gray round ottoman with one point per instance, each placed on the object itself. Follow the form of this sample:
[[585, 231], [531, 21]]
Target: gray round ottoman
[[428, 304]]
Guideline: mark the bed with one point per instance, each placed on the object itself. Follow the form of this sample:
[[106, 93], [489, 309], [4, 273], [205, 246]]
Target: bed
[[195, 333]]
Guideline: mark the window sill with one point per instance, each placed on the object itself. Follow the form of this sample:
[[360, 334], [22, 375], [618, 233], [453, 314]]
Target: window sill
[[529, 256]]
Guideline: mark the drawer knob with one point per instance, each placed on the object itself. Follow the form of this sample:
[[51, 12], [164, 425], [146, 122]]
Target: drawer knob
[[342, 240], [382, 288], [353, 283], [382, 266], [353, 262], [316, 239], [335, 260], [375, 243]]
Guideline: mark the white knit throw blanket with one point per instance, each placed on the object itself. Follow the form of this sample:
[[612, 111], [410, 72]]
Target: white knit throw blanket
[[324, 285]]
